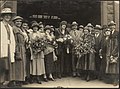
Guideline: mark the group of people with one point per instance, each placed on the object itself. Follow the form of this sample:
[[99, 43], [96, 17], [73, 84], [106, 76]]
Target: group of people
[[32, 53]]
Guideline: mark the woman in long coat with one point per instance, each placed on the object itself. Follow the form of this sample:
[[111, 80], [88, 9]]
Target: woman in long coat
[[20, 55], [37, 67], [88, 62], [59, 34], [7, 48], [48, 52]]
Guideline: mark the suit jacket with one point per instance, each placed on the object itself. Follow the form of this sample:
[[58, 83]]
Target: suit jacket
[[98, 42], [76, 36]]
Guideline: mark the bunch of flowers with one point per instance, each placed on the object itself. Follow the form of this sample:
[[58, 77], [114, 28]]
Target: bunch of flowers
[[68, 39], [38, 45]]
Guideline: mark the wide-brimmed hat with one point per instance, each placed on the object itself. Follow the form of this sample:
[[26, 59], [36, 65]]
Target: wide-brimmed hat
[[63, 23], [17, 17], [111, 23], [7, 11], [74, 23], [81, 26], [90, 25], [48, 27], [35, 24], [98, 27]]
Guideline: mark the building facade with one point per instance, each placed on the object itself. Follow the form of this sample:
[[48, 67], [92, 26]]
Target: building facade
[[109, 10]]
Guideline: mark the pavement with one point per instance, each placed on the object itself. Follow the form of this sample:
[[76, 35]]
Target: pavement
[[70, 82]]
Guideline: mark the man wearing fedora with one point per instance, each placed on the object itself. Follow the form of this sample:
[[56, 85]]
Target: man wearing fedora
[[7, 47], [98, 37], [112, 52], [76, 39]]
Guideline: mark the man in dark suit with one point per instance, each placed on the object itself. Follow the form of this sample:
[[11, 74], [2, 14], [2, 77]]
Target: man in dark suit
[[98, 36]]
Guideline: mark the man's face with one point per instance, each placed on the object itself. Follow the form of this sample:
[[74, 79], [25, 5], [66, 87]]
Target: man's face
[[113, 27], [97, 31], [18, 22], [7, 17], [74, 27], [90, 28], [86, 31], [81, 30], [107, 33]]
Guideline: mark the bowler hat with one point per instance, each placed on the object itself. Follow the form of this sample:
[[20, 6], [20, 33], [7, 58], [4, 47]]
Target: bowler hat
[[111, 23], [89, 25], [74, 23], [7, 11], [17, 17], [81, 26], [107, 29], [98, 27]]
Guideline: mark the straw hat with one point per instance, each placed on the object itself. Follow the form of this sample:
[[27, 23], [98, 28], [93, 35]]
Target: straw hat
[[7, 11]]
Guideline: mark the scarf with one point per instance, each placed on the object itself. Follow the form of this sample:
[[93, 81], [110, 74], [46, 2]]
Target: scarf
[[5, 41]]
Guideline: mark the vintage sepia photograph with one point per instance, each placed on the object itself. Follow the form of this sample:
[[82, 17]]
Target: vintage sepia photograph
[[59, 43]]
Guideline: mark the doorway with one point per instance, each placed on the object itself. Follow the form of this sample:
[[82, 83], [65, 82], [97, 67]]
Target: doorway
[[81, 11]]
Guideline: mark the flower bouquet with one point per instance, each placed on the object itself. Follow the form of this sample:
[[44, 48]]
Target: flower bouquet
[[38, 45]]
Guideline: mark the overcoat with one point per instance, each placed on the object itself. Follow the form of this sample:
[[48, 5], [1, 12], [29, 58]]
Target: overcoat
[[7, 51], [20, 55], [37, 66], [112, 50], [87, 61]]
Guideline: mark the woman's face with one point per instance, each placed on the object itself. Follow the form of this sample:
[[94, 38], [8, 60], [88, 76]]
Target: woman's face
[[7, 17], [47, 31], [25, 26], [18, 22], [35, 29], [63, 26]]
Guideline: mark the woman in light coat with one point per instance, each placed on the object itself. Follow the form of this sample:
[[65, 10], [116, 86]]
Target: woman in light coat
[[37, 67], [7, 48]]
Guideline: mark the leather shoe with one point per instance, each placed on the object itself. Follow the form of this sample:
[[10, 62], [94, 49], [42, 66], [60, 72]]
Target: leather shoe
[[51, 79], [39, 82], [74, 74], [45, 79]]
